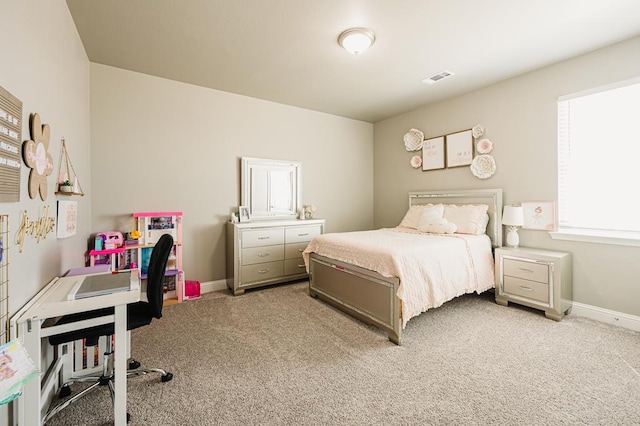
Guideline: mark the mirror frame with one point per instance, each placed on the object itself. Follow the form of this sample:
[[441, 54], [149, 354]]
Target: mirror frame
[[246, 166]]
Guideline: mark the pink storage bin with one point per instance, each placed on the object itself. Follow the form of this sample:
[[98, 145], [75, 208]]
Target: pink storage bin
[[191, 289]]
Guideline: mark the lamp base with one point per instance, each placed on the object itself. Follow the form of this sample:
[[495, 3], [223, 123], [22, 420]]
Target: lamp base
[[513, 240]]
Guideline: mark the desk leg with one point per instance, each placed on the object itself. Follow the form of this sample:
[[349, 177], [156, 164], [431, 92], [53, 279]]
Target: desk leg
[[29, 405], [120, 365]]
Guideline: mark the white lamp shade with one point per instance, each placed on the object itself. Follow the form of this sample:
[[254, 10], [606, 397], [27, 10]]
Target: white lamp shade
[[513, 216], [356, 40]]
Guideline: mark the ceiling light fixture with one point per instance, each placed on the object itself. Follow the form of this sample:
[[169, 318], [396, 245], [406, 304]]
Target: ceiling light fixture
[[356, 40]]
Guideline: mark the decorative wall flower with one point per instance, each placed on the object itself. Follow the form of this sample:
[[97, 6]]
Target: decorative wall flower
[[413, 140], [485, 146], [36, 155], [416, 161], [477, 131], [483, 166]]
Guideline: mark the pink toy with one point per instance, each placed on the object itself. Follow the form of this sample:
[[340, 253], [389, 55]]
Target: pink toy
[[112, 239]]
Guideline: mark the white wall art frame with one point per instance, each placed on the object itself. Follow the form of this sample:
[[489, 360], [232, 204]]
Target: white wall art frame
[[540, 215]]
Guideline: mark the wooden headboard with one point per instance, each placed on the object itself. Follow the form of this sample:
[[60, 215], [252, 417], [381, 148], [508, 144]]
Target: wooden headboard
[[491, 197]]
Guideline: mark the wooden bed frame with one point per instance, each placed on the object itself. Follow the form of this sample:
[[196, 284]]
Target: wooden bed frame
[[372, 298]]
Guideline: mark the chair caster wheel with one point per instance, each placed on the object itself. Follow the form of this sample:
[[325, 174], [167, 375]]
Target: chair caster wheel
[[167, 377], [64, 391], [134, 365]]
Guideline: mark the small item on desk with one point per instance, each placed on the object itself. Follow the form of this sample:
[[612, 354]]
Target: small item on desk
[[100, 285]]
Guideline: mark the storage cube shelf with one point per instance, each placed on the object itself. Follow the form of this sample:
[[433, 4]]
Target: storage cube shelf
[[151, 225]]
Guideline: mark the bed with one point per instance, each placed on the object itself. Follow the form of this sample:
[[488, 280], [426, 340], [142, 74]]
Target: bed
[[387, 276]]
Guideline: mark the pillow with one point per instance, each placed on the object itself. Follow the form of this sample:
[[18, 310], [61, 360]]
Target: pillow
[[438, 225], [468, 218], [412, 217]]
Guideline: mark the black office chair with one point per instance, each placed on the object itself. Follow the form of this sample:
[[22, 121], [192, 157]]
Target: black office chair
[[138, 314]]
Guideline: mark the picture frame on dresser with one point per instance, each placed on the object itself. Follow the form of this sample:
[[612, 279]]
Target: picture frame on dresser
[[244, 214]]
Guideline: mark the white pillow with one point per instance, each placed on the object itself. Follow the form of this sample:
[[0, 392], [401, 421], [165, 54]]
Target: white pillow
[[438, 225], [412, 217], [469, 218], [430, 215]]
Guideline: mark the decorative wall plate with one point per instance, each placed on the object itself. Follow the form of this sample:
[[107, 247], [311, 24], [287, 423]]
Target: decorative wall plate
[[413, 140], [483, 166]]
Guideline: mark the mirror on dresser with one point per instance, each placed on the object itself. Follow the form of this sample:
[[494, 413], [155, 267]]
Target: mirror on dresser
[[271, 189]]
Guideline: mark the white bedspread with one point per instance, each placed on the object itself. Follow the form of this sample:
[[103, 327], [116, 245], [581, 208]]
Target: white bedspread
[[432, 269]]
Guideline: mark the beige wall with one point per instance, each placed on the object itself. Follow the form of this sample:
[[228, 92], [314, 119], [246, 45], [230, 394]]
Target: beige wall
[[520, 118], [45, 66], [161, 145]]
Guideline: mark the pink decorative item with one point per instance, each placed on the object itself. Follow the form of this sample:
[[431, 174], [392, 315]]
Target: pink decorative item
[[191, 289], [416, 161]]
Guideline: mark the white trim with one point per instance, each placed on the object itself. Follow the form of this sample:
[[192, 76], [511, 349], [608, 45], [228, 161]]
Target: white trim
[[211, 286], [600, 236], [599, 89], [631, 322]]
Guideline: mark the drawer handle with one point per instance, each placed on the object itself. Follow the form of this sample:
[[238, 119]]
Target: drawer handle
[[301, 266], [300, 250], [526, 270], [522, 287], [264, 254], [303, 235], [263, 271], [263, 238]]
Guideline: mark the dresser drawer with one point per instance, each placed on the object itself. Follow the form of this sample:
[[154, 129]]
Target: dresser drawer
[[526, 270], [294, 267], [294, 251], [262, 237], [525, 288], [301, 234], [262, 254], [261, 272]]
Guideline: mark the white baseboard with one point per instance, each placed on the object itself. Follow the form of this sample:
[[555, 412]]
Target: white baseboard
[[210, 286], [631, 322]]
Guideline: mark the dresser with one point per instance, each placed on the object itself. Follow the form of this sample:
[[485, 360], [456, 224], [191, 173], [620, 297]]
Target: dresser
[[267, 252], [540, 279]]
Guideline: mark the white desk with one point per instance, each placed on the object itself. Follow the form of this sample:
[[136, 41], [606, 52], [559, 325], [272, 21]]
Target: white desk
[[51, 302]]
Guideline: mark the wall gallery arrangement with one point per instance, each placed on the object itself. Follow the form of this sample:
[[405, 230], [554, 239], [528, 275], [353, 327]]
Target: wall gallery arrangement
[[466, 148]]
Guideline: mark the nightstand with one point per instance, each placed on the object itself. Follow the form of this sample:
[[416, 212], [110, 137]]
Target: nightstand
[[540, 279]]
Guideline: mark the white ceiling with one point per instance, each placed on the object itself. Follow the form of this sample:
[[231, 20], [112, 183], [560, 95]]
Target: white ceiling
[[286, 51]]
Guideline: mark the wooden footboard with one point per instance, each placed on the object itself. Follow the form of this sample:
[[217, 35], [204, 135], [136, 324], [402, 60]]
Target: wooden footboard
[[362, 293]]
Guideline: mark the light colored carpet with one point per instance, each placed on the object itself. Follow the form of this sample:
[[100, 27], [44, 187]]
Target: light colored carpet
[[276, 356]]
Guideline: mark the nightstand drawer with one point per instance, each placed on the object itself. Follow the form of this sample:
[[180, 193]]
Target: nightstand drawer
[[262, 237], [262, 254], [525, 288], [526, 270]]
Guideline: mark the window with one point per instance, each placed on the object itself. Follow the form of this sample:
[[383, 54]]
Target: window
[[599, 162]]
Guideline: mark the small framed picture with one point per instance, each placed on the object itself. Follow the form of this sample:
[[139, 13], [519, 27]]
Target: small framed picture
[[244, 214], [433, 154], [539, 215], [459, 149]]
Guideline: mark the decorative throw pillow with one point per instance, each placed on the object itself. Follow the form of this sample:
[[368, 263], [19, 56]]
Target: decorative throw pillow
[[413, 215], [438, 225], [469, 218]]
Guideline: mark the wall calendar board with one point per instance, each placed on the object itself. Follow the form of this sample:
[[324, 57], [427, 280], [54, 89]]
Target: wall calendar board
[[10, 141]]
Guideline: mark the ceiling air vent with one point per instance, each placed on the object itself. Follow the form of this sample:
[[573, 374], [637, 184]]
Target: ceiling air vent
[[436, 78]]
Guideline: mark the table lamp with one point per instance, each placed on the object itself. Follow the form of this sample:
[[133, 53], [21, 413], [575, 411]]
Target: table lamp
[[513, 218]]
